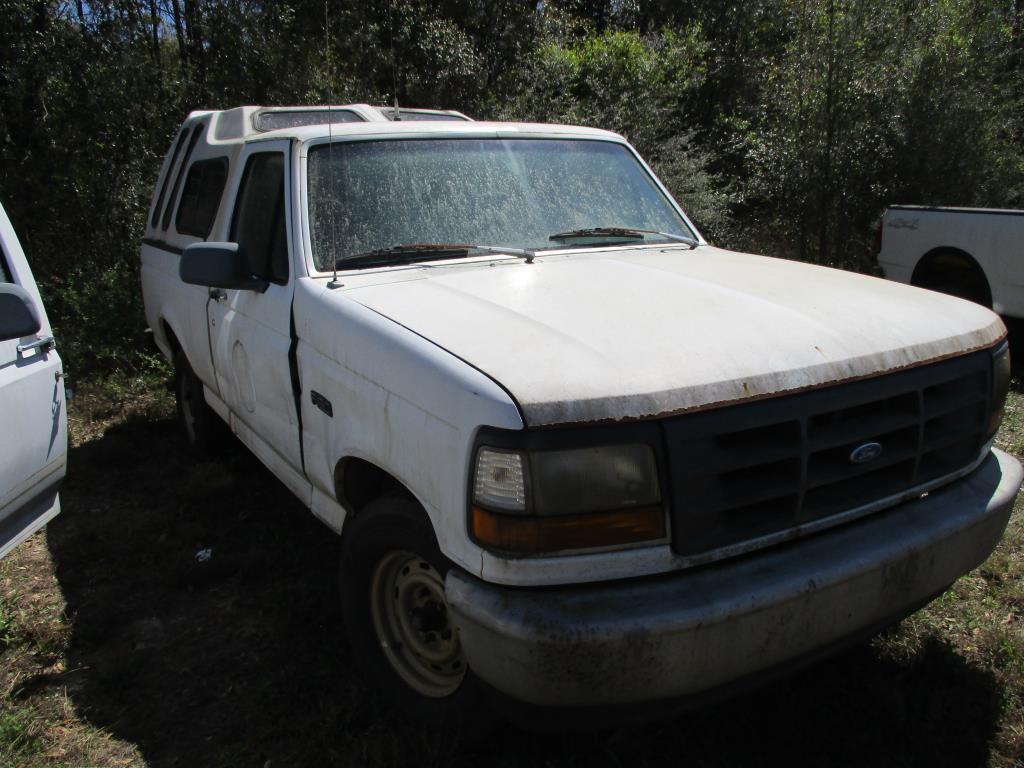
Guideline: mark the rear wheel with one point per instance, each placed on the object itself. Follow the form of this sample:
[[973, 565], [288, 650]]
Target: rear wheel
[[200, 427], [955, 273], [397, 619]]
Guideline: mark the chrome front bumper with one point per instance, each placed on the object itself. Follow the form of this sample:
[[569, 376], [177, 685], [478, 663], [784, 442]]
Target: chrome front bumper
[[691, 632]]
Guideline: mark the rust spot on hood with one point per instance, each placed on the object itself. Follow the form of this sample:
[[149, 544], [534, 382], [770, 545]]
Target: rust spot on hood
[[767, 395]]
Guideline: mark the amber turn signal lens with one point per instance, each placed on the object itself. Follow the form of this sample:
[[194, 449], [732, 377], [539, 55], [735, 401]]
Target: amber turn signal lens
[[519, 535]]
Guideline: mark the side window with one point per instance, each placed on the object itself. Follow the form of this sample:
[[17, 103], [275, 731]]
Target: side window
[[196, 133], [158, 208], [200, 197], [5, 271], [258, 225]]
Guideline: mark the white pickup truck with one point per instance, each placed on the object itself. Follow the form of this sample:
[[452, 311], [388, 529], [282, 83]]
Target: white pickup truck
[[33, 412], [577, 457], [974, 253]]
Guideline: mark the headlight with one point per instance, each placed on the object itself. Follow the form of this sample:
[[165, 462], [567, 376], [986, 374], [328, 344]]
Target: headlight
[[500, 480], [1000, 386], [546, 501]]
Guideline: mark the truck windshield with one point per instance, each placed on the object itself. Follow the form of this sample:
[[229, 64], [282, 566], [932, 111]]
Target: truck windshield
[[373, 195]]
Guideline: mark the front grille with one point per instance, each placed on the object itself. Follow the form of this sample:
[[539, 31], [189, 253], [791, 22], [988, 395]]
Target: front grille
[[748, 471]]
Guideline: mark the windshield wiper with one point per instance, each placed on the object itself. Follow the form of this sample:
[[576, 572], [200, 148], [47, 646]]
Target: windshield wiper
[[412, 252], [622, 232], [397, 254]]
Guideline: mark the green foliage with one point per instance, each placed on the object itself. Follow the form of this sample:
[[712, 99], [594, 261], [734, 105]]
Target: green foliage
[[16, 738], [641, 86], [706, 197], [782, 127], [6, 625], [79, 147], [872, 103], [637, 85], [101, 320]]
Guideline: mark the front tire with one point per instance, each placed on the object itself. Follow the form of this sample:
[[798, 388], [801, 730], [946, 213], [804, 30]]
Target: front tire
[[397, 619]]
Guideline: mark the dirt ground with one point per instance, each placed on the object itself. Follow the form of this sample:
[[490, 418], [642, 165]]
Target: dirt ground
[[120, 647]]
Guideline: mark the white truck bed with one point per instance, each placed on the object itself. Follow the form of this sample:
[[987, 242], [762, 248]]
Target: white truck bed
[[976, 253]]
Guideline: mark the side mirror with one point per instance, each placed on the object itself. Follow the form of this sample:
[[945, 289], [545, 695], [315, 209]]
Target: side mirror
[[18, 315], [218, 265]]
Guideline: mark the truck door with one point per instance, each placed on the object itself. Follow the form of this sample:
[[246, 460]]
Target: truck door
[[33, 422], [250, 331]]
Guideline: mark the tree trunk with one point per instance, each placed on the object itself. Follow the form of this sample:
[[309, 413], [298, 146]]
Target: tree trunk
[[194, 31], [179, 32], [826, 171], [154, 18]]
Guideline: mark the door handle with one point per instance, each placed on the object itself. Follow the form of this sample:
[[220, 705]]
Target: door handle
[[218, 294], [44, 345]]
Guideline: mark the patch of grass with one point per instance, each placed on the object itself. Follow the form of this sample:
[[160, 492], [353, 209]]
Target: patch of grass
[[1011, 432], [6, 625], [119, 398], [31, 611], [16, 738]]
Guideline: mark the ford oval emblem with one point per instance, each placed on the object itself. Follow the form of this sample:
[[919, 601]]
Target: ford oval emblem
[[862, 454]]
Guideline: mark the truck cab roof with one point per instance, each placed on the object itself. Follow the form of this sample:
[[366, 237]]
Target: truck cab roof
[[254, 123], [244, 122], [210, 141]]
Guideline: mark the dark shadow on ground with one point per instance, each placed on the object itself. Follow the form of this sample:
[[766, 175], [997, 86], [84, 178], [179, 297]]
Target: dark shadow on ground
[[238, 661], [1015, 337]]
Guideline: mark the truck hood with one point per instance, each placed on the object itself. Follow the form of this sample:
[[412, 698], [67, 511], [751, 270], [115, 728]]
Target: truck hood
[[637, 333]]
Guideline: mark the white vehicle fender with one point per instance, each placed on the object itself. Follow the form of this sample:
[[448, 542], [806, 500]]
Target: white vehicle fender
[[375, 391]]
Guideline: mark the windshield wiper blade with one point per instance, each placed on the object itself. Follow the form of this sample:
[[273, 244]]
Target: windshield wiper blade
[[623, 232], [408, 252], [400, 253]]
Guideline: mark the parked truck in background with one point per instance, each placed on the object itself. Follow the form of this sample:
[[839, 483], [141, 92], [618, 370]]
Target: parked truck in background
[[576, 456], [974, 253]]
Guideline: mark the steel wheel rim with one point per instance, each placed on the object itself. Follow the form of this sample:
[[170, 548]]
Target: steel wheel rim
[[413, 624]]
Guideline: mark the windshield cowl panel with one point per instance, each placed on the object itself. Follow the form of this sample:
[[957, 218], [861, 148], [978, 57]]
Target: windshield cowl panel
[[367, 196], [477, 260]]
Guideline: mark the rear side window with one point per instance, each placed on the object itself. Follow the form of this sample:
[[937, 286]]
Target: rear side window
[[258, 225], [177, 178], [5, 270], [200, 197], [167, 178]]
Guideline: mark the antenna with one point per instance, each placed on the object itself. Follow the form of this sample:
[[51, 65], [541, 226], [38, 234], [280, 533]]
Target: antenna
[[330, 141]]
